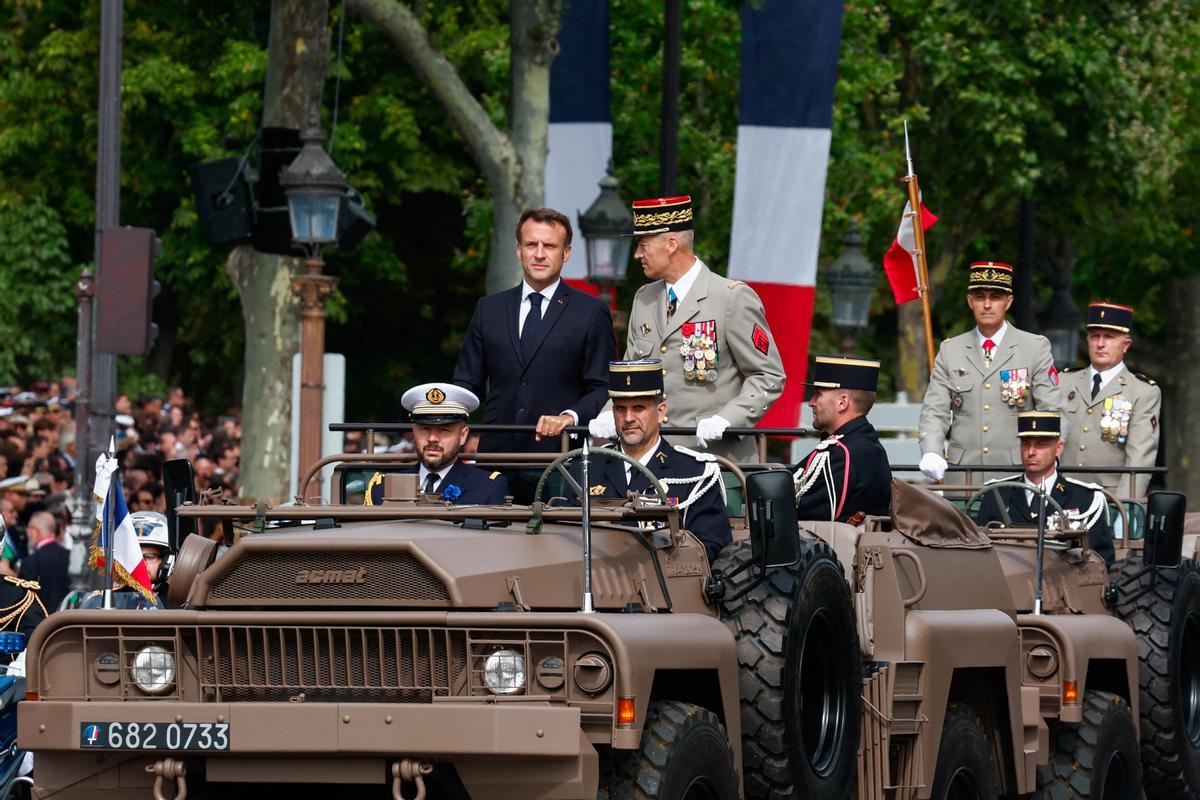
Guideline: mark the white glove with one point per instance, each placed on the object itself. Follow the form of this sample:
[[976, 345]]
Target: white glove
[[603, 427], [933, 466], [710, 429]]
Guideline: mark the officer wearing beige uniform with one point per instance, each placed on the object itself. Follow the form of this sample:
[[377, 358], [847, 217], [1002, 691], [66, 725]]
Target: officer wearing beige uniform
[[982, 379], [1114, 413], [721, 364]]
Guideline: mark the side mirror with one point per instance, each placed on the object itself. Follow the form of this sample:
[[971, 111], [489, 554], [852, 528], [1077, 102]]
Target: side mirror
[[1164, 529], [179, 483], [774, 530]]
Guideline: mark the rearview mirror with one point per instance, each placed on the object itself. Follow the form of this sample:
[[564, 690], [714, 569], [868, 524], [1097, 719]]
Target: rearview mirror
[[179, 484], [774, 531], [1164, 528]]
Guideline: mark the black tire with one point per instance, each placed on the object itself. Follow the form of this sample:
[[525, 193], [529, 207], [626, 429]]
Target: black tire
[[1167, 623], [801, 675], [964, 763], [684, 755], [1096, 759]]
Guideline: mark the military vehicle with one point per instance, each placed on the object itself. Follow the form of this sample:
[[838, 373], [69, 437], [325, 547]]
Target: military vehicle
[[554, 651]]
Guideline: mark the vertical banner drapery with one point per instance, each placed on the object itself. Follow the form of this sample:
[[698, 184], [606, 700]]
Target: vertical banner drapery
[[580, 139], [789, 68]]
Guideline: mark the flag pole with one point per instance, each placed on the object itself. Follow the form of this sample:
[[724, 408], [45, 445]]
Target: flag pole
[[109, 533], [914, 203]]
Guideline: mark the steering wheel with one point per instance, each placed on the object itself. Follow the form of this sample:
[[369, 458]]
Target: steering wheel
[[560, 465], [994, 489]]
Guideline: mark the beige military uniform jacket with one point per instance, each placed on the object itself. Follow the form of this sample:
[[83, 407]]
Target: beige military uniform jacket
[[966, 414], [749, 371], [1128, 403]]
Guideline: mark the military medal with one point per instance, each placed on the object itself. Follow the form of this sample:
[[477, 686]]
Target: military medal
[[1114, 422], [699, 351], [1014, 386]]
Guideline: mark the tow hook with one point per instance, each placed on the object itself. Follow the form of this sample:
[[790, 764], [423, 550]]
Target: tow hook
[[164, 770], [407, 770]]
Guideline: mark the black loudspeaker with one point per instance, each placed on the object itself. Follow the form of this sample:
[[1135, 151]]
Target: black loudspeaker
[[222, 201], [272, 231], [354, 221]]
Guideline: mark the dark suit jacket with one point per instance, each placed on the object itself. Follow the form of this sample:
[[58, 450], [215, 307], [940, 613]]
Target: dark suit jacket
[[1070, 494], [49, 566], [707, 518], [869, 484], [568, 368], [478, 487]]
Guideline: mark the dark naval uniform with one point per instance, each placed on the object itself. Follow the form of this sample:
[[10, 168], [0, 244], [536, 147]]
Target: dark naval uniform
[[1080, 500], [20, 607], [462, 485], [705, 516], [848, 471], [861, 476]]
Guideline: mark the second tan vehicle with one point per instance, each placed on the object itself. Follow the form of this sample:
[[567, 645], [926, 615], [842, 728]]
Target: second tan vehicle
[[417, 649]]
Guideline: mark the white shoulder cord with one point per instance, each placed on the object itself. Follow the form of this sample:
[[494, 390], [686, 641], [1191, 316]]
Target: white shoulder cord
[[702, 482], [819, 467]]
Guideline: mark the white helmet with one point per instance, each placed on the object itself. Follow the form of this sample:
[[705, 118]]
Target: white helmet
[[151, 528]]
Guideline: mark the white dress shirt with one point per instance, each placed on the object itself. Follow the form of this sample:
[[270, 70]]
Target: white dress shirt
[[685, 281], [423, 473], [1105, 377], [644, 461], [1046, 486], [526, 290], [996, 337]]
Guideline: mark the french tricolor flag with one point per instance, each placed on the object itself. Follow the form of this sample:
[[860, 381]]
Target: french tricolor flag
[[789, 68], [580, 136], [128, 564]]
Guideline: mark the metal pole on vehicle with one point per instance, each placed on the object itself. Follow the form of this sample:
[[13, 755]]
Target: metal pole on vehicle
[[587, 606], [1041, 548]]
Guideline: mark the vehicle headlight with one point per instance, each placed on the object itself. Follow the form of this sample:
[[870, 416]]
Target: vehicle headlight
[[504, 672], [153, 669]]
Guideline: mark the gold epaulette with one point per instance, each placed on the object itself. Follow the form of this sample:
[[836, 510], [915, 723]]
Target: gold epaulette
[[494, 475]]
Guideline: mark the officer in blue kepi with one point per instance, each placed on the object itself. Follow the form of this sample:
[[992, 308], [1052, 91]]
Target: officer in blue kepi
[[691, 479], [847, 473], [439, 414], [1040, 435]]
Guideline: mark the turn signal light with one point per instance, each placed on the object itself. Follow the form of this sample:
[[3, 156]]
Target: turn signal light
[[626, 710], [31, 697], [1070, 692]]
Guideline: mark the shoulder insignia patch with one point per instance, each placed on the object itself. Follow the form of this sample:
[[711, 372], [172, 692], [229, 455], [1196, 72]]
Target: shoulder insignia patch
[[597, 490], [32, 586], [1145, 378], [494, 475], [662, 457]]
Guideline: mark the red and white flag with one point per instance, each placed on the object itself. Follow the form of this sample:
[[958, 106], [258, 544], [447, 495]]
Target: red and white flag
[[900, 261], [128, 565]]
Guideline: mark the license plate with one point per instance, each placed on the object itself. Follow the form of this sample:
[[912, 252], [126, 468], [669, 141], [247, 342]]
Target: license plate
[[154, 735]]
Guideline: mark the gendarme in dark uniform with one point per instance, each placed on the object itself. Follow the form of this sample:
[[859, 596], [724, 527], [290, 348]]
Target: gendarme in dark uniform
[[691, 479], [1084, 505], [439, 414], [848, 472]]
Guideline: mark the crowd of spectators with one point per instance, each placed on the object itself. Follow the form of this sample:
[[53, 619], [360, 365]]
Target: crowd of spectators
[[38, 460]]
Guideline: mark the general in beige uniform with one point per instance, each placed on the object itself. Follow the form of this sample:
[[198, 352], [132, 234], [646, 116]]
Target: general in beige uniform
[[1114, 413], [969, 414], [721, 364]]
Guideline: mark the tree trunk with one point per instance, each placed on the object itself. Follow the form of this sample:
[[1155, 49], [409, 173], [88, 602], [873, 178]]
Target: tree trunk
[[1181, 396], [514, 165], [297, 62]]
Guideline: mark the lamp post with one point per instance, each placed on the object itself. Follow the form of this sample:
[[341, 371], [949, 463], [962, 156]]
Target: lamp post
[[851, 280], [314, 187], [1060, 319], [605, 226]]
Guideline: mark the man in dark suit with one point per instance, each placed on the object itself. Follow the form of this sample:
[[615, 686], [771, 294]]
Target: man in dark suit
[[1040, 435], [439, 414], [49, 562], [848, 472], [540, 349], [692, 480]]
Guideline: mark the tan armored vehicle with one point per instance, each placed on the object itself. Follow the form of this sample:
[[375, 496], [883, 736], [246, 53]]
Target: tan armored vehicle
[[417, 649]]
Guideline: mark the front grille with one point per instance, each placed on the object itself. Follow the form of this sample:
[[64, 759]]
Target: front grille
[[327, 664], [272, 579]]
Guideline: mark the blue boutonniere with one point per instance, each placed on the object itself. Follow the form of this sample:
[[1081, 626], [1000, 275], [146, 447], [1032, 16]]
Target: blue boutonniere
[[451, 492]]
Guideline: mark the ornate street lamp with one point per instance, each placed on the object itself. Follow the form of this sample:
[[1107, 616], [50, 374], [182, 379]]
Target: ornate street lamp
[[605, 226], [1060, 319], [851, 280], [314, 187]]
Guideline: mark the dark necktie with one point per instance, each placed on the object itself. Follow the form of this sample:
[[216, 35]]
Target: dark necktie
[[533, 321], [672, 302], [1095, 385], [430, 482]]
